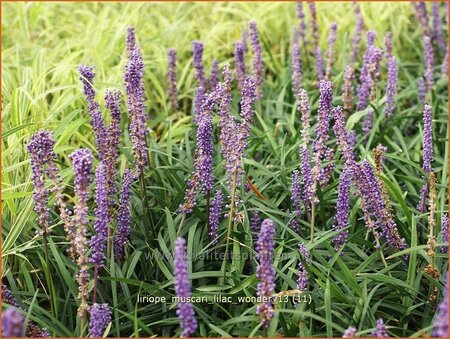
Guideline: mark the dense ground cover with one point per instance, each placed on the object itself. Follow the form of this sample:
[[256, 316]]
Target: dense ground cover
[[42, 46]]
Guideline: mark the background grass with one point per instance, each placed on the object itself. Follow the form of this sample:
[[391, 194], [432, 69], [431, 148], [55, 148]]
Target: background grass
[[42, 44]]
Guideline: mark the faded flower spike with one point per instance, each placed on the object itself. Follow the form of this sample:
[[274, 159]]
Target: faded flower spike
[[185, 309], [258, 67], [265, 271], [100, 317], [82, 164]]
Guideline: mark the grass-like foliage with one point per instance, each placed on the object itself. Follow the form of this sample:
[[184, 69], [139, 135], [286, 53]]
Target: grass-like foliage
[[313, 174]]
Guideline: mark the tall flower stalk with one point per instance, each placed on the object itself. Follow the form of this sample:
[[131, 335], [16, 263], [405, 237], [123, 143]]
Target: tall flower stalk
[[330, 49], [82, 164], [42, 156], [134, 88]]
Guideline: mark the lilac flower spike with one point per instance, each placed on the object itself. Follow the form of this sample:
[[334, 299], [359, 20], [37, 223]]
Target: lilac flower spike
[[314, 25], [437, 24], [255, 223], [303, 278], [98, 241], [258, 67], [265, 271], [305, 114], [427, 139], [302, 25], [87, 75], [185, 309], [134, 87], [391, 87], [319, 63], [381, 330], [365, 75], [296, 67], [422, 16], [444, 232], [324, 115], [239, 60], [82, 164], [350, 332], [42, 156], [12, 323], [131, 40], [343, 136], [197, 48], [330, 49], [429, 63], [368, 121], [100, 317], [296, 194], [172, 77], [342, 208], [124, 218], [356, 39], [422, 90], [388, 44], [440, 323], [214, 76], [214, 216]]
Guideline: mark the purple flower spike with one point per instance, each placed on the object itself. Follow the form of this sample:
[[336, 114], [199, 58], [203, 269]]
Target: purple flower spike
[[422, 16], [302, 25], [42, 157], [303, 277], [423, 197], [314, 25], [87, 75], [388, 44], [265, 271], [172, 77], [427, 139], [368, 121], [131, 40], [324, 115], [214, 76], [342, 135], [98, 241], [391, 87], [304, 109], [437, 24], [365, 75], [100, 317], [330, 49], [185, 309], [8, 298], [12, 323], [440, 323], [134, 87], [255, 223], [112, 102], [319, 63], [429, 63], [239, 60], [296, 67], [342, 208], [258, 67], [214, 216], [296, 195], [350, 332], [444, 232], [356, 39], [381, 330], [197, 48], [124, 218]]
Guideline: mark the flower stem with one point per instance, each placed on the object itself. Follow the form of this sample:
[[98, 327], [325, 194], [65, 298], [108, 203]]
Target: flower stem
[[230, 218]]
